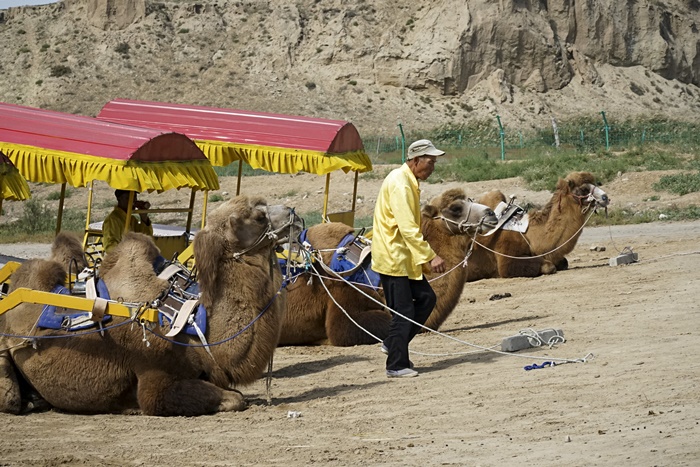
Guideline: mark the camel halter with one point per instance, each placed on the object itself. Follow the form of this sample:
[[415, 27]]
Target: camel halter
[[589, 200], [268, 233], [462, 226]]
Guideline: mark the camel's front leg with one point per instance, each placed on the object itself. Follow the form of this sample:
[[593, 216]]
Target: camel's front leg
[[161, 394], [10, 395], [342, 332]]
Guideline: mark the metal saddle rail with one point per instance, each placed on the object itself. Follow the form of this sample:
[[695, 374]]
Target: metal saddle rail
[[112, 308]]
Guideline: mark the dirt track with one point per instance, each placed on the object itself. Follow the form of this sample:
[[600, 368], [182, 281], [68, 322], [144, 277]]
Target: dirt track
[[635, 402]]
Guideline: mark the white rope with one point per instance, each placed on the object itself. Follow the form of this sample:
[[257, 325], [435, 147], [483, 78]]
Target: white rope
[[447, 336], [536, 339], [543, 254]]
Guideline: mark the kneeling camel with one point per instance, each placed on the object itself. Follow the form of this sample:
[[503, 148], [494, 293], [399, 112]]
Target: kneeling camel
[[552, 232], [119, 372], [448, 224]]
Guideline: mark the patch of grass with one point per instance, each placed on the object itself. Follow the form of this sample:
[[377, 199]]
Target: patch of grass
[[365, 221], [542, 170], [215, 198], [312, 218], [56, 195], [627, 216], [680, 184], [231, 170], [38, 223]]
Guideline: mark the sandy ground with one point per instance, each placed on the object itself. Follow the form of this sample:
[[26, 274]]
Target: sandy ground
[[635, 401]]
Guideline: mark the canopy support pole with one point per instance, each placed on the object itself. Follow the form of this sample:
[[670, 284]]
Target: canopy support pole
[[88, 215], [354, 191], [190, 211], [205, 205], [129, 210], [59, 218], [324, 215], [240, 175]]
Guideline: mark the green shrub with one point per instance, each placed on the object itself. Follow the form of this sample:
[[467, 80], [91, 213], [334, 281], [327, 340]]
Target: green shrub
[[60, 70], [680, 184], [122, 48]]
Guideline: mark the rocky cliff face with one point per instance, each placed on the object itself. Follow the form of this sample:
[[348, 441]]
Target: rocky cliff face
[[374, 63]]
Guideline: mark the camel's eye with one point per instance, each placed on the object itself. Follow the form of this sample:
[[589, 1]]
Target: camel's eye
[[456, 209], [260, 216]]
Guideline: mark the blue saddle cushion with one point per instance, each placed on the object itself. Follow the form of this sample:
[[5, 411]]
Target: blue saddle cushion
[[200, 319], [340, 263], [52, 319]]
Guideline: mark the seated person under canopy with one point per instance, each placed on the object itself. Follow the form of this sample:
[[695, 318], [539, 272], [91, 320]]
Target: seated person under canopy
[[113, 226]]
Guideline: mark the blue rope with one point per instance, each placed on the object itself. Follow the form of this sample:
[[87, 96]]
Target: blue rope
[[535, 366], [64, 336], [85, 333], [245, 328]]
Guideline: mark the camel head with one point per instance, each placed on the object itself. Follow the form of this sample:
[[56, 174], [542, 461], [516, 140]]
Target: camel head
[[67, 250], [461, 214], [248, 222], [582, 186], [239, 226]]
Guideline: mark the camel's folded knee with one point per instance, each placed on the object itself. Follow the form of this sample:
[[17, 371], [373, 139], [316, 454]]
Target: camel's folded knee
[[548, 268], [10, 395]]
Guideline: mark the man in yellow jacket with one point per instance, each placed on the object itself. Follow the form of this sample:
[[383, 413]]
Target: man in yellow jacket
[[400, 254], [113, 225]]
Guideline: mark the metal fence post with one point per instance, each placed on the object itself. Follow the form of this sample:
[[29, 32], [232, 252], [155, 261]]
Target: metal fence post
[[607, 131], [502, 135], [403, 144]]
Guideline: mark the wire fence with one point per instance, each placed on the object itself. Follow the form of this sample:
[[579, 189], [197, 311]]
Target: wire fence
[[496, 140]]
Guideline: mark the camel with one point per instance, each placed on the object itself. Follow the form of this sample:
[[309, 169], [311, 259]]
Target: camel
[[134, 368], [312, 316], [552, 232]]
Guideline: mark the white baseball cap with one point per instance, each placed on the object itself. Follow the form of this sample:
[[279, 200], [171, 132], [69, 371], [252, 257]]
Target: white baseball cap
[[422, 147]]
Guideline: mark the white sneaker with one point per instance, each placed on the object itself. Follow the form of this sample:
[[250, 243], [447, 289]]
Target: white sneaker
[[404, 373], [386, 351]]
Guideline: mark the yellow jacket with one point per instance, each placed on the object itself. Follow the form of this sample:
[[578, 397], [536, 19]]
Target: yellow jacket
[[398, 246], [113, 228]]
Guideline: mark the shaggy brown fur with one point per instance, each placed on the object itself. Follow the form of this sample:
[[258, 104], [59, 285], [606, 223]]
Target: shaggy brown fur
[[312, 316], [119, 372], [67, 248], [43, 275], [557, 226]]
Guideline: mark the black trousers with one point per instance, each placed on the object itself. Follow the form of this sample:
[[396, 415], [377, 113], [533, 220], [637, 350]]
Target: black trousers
[[414, 300]]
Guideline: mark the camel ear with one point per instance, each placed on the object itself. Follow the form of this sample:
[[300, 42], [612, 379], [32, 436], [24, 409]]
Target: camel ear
[[430, 211], [208, 246], [564, 185]]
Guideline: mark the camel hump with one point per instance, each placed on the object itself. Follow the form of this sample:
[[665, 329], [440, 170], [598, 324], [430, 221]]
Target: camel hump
[[67, 248], [39, 274], [492, 198]]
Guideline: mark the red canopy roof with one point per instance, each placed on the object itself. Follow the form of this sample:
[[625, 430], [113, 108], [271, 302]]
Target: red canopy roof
[[56, 147], [238, 126], [89, 136]]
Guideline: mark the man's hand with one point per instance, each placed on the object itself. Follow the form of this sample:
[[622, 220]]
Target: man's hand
[[437, 264]]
